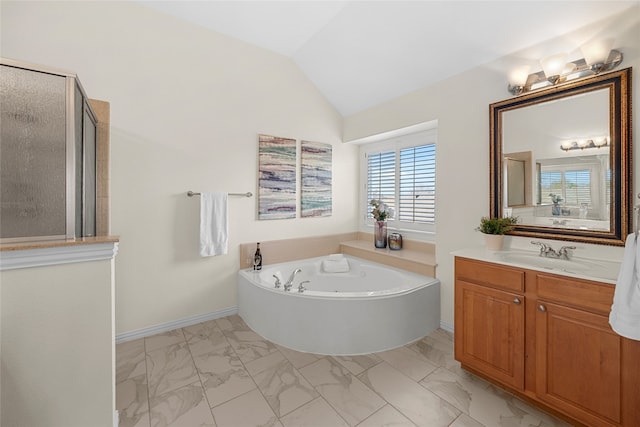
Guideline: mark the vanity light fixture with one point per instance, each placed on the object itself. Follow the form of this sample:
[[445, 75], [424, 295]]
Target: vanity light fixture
[[585, 144], [553, 67], [598, 58]]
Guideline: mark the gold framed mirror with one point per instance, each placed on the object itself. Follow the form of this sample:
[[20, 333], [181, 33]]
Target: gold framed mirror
[[561, 160]]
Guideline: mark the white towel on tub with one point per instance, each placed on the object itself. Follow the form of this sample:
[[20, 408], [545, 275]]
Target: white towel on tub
[[625, 311], [214, 237], [335, 265]]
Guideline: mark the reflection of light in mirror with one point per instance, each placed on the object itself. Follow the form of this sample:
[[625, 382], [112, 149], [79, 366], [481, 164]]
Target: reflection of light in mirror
[[584, 144]]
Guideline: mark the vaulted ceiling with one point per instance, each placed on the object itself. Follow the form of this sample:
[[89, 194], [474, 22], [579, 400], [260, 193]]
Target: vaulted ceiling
[[362, 53]]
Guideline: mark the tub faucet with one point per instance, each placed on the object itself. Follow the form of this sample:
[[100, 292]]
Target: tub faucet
[[277, 282], [301, 287], [289, 282]]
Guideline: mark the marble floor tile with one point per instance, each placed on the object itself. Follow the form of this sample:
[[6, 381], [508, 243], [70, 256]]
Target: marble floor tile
[[317, 413], [489, 406], [465, 420], [248, 345], [140, 420], [232, 323], [130, 360], [132, 397], [223, 375], [388, 416], [547, 419], [418, 404], [204, 338], [297, 358], [437, 352], [442, 335], [164, 339], [455, 390], [170, 368], [248, 410], [352, 399], [183, 407], [280, 383], [358, 364], [409, 362]]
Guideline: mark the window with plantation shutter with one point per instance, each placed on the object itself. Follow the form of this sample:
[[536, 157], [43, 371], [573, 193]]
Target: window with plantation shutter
[[400, 172], [418, 184], [381, 178]]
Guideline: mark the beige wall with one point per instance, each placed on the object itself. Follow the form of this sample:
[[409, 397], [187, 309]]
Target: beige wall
[[57, 345], [461, 106], [187, 105]]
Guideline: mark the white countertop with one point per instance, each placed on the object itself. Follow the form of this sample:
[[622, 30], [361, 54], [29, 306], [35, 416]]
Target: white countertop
[[581, 268]]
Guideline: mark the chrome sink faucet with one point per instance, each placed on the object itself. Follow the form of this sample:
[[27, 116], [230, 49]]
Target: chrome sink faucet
[[289, 282], [564, 253], [548, 252]]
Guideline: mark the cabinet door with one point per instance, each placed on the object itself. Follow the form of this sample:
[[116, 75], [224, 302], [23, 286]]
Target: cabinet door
[[489, 332], [578, 364]]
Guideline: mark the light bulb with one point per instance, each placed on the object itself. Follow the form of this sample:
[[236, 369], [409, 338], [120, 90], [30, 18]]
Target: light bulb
[[553, 66], [597, 51]]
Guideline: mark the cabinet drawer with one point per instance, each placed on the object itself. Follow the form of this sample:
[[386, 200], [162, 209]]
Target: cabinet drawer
[[589, 295], [490, 274]]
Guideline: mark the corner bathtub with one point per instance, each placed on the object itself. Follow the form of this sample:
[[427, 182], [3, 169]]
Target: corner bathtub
[[371, 308]]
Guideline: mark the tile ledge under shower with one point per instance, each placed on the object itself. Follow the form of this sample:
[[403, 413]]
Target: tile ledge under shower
[[42, 244]]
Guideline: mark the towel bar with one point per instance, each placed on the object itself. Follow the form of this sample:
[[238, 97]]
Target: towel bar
[[247, 194]]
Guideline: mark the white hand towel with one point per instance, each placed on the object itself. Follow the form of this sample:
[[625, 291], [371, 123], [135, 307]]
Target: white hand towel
[[214, 238], [625, 311], [335, 265]]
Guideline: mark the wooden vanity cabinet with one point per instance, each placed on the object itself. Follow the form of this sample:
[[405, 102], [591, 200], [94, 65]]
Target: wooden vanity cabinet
[[490, 320], [555, 347]]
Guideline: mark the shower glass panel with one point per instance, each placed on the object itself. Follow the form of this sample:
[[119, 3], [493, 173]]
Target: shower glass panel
[[47, 155], [32, 154], [89, 181]]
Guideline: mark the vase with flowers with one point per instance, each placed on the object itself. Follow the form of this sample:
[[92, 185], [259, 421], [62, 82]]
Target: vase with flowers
[[555, 199], [380, 213]]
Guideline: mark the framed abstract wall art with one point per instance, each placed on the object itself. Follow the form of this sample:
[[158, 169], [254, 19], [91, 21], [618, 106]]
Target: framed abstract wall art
[[276, 177], [316, 198]]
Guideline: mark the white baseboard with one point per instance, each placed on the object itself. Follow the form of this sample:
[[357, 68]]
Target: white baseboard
[[116, 418], [446, 326], [181, 323], [169, 326]]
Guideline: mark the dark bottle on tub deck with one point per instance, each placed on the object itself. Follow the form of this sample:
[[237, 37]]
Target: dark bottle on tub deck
[[257, 259]]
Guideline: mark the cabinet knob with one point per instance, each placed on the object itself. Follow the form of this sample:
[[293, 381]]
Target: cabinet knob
[[516, 301], [542, 308]]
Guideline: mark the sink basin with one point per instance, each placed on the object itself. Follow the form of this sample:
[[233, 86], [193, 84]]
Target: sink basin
[[579, 266]]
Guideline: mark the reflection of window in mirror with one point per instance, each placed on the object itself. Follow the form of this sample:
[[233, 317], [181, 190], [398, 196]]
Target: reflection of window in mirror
[[581, 182]]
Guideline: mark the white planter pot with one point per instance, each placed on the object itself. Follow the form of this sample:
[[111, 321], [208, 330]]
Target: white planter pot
[[494, 242]]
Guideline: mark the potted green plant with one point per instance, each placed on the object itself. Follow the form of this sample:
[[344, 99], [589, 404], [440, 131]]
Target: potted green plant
[[494, 230]]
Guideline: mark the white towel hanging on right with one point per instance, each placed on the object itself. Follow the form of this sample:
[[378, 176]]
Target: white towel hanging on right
[[625, 311]]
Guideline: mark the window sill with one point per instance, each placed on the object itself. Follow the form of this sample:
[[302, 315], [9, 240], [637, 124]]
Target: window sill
[[417, 257]]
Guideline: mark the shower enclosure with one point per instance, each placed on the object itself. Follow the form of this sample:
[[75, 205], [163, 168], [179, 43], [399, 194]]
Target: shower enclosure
[[47, 155]]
